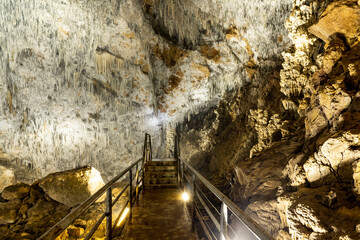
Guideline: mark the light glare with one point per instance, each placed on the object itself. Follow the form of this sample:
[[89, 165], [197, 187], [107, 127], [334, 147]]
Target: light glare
[[185, 196], [123, 215]]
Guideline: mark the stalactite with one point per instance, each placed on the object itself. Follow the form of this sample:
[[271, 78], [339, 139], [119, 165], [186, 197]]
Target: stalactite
[[104, 62]]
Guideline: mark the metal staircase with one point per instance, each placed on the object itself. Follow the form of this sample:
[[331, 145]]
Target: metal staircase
[[161, 173], [219, 217]]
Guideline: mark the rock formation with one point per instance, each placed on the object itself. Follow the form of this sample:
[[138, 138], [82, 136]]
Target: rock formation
[[26, 212], [292, 164]]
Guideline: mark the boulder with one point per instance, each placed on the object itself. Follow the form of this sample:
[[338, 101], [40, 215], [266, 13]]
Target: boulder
[[75, 232], [72, 187], [326, 212], [339, 17], [335, 155], [8, 211], [17, 191], [7, 177], [44, 214]]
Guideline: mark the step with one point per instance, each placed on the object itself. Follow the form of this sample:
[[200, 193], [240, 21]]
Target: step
[[172, 180], [160, 174], [160, 168], [163, 159], [161, 163], [161, 186]]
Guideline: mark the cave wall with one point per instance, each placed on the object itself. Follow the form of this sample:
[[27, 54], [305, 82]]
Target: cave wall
[[75, 85], [83, 81], [292, 163]]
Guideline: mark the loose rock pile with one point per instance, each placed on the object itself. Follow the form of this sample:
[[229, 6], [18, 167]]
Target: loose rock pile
[[27, 211]]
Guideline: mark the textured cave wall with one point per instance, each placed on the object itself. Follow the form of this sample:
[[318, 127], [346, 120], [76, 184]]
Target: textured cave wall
[[292, 163], [256, 35], [83, 81]]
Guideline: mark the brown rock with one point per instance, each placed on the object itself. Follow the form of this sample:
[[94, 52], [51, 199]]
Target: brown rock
[[315, 121], [8, 211], [334, 51], [333, 101], [17, 191], [39, 215], [356, 176], [339, 17], [5, 231], [34, 195], [75, 232], [72, 187], [210, 53], [80, 223], [23, 209]]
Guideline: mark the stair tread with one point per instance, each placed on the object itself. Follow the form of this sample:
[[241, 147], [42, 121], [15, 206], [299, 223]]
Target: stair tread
[[159, 169], [163, 159], [162, 163], [161, 184], [162, 177], [165, 171]]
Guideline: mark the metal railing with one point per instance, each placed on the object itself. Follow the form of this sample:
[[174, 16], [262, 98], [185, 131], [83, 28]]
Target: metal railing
[[147, 154], [219, 217], [134, 187]]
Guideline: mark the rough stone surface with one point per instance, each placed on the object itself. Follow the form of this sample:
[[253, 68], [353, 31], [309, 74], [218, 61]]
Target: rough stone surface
[[17, 191], [340, 17], [8, 211], [108, 73], [72, 187], [297, 175], [29, 217]]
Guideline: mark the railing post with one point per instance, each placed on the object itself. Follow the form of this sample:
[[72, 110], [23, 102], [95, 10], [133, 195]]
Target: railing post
[[193, 192], [150, 147], [143, 174], [131, 191], [137, 183], [223, 221], [145, 147], [108, 214], [177, 156], [182, 173]]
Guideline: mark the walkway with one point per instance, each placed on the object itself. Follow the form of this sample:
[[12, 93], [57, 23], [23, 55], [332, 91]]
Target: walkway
[[160, 214]]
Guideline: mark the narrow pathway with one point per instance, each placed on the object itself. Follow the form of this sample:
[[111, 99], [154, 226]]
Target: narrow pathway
[[160, 214]]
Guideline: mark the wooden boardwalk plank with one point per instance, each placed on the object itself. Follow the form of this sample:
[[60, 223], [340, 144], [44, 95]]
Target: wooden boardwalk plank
[[159, 214]]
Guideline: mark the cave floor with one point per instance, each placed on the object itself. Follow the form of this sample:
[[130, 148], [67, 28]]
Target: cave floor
[[160, 214]]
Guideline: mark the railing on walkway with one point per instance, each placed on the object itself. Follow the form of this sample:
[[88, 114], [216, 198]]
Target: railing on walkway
[[147, 154], [134, 187], [224, 219]]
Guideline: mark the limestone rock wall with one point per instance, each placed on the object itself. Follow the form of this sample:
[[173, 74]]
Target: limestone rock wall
[[292, 163], [83, 81]]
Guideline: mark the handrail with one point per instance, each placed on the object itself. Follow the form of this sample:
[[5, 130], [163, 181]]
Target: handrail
[[226, 204], [64, 223], [147, 153]]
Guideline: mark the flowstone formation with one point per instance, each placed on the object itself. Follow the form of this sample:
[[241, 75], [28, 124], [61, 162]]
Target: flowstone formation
[[293, 163]]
